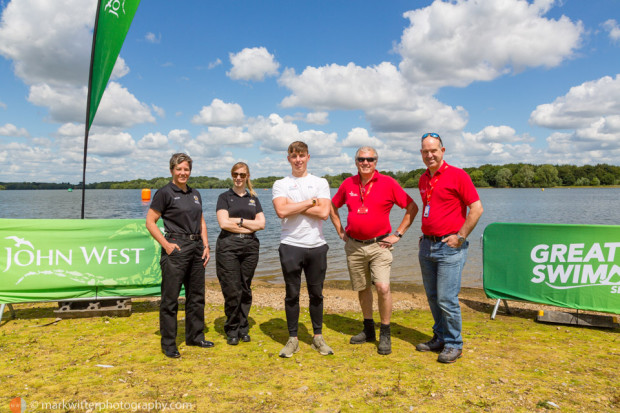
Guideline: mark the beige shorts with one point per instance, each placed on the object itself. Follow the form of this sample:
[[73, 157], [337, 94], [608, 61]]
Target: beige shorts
[[367, 263]]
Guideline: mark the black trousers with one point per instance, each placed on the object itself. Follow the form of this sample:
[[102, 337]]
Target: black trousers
[[182, 268], [235, 261], [313, 262]]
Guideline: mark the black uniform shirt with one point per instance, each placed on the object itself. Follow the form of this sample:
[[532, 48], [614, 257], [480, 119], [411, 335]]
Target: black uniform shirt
[[245, 207], [181, 211]]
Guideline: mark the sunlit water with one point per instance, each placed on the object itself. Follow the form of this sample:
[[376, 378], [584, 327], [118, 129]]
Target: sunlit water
[[554, 205]]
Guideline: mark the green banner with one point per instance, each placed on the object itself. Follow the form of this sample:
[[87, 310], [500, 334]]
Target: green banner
[[111, 27], [574, 266], [59, 259]]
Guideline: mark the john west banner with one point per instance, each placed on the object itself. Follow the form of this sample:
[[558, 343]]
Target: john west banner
[[56, 259], [574, 266]]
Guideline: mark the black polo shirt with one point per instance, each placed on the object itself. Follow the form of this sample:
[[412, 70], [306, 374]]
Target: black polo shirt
[[245, 207], [181, 211]]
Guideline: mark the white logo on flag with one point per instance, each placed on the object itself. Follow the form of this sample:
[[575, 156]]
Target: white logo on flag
[[113, 7]]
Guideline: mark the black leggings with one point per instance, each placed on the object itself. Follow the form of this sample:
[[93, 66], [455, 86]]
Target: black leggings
[[313, 262]]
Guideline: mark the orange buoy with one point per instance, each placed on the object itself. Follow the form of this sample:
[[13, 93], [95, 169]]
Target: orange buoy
[[146, 194]]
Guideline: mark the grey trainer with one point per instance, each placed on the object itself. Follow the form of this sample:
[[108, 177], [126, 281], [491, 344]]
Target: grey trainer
[[434, 344], [319, 344], [449, 355], [291, 347], [363, 337]]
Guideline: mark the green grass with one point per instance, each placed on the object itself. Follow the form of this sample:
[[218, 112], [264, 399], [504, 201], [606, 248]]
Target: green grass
[[509, 364]]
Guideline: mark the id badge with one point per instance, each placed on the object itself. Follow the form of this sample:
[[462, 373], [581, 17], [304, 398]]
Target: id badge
[[427, 208], [362, 210]]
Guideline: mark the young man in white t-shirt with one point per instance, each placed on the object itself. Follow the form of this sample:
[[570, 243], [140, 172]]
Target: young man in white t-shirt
[[302, 201]]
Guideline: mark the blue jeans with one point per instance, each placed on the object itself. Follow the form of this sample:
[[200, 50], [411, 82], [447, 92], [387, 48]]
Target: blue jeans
[[441, 267]]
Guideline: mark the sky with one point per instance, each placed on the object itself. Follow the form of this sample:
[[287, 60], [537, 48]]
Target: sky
[[502, 81]]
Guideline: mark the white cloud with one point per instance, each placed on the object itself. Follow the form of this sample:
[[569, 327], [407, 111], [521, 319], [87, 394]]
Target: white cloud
[[118, 107], [153, 38], [219, 113], [48, 41], [159, 111], [13, 131], [273, 132], [113, 145], [179, 136], [234, 135], [153, 141], [320, 143], [2, 105], [456, 43], [497, 134], [583, 106], [358, 137], [346, 87], [317, 118], [613, 28], [215, 64], [252, 64]]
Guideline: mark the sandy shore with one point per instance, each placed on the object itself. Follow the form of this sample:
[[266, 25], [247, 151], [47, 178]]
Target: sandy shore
[[340, 298]]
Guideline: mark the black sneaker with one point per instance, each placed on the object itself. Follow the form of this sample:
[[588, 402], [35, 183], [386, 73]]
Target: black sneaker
[[449, 355], [433, 345]]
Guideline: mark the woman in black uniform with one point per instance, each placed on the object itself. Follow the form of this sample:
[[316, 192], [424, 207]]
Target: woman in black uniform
[[184, 255], [240, 215]]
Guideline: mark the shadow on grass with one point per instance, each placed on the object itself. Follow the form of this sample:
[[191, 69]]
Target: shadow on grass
[[220, 321], [350, 326], [27, 313], [277, 329]]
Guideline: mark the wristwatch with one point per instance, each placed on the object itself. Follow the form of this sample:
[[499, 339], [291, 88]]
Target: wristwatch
[[460, 238], [313, 202], [398, 234], [240, 224]]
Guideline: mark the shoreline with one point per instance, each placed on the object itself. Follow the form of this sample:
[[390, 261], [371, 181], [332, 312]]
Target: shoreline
[[339, 298]]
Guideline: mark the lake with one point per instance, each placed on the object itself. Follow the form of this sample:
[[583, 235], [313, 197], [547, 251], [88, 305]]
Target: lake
[[532, 205]]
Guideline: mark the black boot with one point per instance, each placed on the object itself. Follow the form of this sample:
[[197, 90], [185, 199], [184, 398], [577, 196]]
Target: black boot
[[367, 335], [385, 340]]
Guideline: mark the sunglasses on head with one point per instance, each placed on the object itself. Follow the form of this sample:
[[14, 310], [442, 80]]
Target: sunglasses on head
[[432, 135], [361, 159], [239, 174]]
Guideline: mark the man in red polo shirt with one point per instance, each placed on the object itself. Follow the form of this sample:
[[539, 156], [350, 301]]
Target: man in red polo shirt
[[446, 193], [369, 197]]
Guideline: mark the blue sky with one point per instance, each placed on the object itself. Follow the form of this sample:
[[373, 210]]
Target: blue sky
[[501, 80]]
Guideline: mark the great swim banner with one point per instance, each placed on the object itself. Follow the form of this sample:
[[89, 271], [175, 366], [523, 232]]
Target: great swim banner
[[56, 259], [574, 266]]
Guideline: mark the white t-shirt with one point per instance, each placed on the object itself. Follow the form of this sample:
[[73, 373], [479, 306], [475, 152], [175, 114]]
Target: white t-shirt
[[301, 230]]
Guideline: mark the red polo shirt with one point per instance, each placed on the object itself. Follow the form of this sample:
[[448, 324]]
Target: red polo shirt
[[451, 191], [381, 193]]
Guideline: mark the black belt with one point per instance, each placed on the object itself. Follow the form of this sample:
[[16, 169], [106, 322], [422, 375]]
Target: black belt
[[372, 240], [226, 234], [193, 237], [437, 238]]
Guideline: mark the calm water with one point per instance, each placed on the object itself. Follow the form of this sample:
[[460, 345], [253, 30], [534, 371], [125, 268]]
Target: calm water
[[555, 205]]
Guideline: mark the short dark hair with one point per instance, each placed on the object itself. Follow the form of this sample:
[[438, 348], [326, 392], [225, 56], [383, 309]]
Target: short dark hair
[[178, 158], [297, 147]]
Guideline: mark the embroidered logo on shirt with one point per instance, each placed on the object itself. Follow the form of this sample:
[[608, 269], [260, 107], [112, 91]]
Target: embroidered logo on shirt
[[252, 203], [353, 194]]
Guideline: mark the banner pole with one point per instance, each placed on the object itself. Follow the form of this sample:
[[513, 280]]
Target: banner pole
[[88, 97]]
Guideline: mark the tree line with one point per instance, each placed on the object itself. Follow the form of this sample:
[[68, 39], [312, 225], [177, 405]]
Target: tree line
[[519, 175]]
